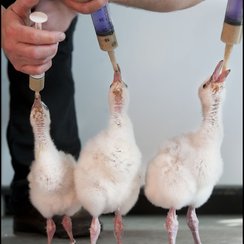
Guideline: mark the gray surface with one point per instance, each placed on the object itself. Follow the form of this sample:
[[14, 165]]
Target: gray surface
[[147, 230]]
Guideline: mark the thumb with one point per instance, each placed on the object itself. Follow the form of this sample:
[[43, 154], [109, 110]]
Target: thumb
[[23, 7]]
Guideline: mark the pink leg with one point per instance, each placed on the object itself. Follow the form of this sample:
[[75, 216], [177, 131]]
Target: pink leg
[[50, 228], [192, 222], [171, 225], [67, 224], [118, 227], [95, 229]]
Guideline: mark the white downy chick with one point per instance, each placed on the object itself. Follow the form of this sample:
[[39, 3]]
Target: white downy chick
[[51, 177], [187, 167], [107, 177]]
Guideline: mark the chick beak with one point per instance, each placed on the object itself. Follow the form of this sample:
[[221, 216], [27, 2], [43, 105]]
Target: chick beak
[[37, 102], [216, 72], [218, 77], [117, 75]]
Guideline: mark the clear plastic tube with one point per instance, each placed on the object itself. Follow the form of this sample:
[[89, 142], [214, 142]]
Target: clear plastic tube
[[36, 82]]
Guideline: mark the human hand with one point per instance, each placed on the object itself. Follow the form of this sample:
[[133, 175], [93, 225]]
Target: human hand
[[85, 6], [28, 49]]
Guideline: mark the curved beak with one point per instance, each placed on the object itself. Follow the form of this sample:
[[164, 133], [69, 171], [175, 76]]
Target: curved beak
[[218, 76], [37, 101]]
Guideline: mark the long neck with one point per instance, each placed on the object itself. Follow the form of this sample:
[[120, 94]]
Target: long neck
[[42, 138], [120, 121], [118, 118], [212, 124]]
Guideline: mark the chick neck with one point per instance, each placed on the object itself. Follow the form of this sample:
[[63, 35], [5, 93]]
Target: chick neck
[[119, 119], [42, 136], [212, 124]]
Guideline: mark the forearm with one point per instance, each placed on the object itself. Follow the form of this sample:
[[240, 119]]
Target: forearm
[[158, 5]]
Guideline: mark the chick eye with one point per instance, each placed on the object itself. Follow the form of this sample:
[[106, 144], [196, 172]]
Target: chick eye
[[204, 86]]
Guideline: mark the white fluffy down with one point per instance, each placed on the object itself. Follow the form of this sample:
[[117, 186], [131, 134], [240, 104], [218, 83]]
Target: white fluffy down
[[51, 182], [180, 175], [186, 169], [107, 176]]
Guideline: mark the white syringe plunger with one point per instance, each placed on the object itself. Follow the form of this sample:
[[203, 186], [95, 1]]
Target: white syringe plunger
[[36, 82], [38, 18]]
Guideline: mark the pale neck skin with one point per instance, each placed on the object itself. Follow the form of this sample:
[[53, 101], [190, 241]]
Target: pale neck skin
[[120, 124], [212, 124], [42, 138], [119, 118], [43, 143]]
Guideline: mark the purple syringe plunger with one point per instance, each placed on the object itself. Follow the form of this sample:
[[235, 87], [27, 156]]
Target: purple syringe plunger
[[234, 12], [104, 29], [102, 22], [105, 33]]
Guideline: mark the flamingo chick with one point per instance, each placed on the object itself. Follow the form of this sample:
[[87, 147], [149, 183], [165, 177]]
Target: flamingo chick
[[107, 177], [186, 169], [51, 177]]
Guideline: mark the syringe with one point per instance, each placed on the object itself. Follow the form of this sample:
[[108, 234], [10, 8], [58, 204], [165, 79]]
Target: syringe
[[232, 28], [105, 32], [36, 82]]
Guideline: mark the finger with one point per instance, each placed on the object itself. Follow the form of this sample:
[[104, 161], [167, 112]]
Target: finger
[[39, 37], [35, 69], [21, 61], [23, 7], [39, 53], [33, 62]]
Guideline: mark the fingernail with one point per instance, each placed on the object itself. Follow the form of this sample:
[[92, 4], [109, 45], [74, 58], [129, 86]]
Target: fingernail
[[61, 36]]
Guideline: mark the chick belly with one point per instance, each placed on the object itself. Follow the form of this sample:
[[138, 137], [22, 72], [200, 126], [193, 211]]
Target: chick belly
[[202, 195], [169, 189], [130, 200], [55, 204], [101, 197]]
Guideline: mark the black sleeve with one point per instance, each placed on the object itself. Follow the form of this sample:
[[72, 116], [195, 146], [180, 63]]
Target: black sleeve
[[7, 3]]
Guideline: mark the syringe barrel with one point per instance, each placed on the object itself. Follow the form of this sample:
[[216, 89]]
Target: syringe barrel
[[232, 28], [104, 29], [36, 83]]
